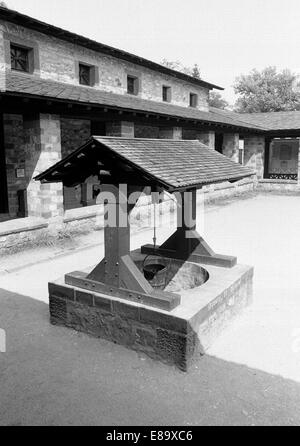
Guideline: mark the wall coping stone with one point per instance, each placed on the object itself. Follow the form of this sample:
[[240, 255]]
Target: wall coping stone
[[22, 225], [83, 213], [269, 180]]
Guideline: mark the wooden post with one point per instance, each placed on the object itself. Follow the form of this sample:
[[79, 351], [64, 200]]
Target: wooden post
[[116, 232], [3, 175]]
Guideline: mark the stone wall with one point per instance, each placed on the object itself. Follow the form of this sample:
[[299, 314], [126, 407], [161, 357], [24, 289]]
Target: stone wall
[[254, 154], [58, 60], [176, 338], [207, 138], [74, 133], [15, 159], [43, 149], [32, 144], [146, 131], [231, 146], [268, 185]]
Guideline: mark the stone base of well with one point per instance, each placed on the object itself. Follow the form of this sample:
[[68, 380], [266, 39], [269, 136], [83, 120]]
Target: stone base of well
[[175, 337]]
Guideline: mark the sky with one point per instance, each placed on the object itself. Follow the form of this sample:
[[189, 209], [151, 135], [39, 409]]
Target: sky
[[225, 38]]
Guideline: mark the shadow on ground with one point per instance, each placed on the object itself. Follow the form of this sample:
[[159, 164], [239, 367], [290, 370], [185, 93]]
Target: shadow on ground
[[55, 376]]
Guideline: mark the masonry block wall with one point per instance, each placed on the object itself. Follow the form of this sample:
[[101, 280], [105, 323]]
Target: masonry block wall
[[170, 133], [207, 138], [120, 128], [2, 62], [254, 154], [43, 149], [74, 133], [32, 144], [15, 159], [231, 143], [146, 131], [58, 60]]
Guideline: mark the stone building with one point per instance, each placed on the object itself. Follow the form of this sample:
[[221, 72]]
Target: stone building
[[58, 88]]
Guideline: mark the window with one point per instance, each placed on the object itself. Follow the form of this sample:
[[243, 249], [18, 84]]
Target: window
[[21, 54], [193, 100], [19, 58], [85, 77], [132, 85], [87, 74], [166, 93]]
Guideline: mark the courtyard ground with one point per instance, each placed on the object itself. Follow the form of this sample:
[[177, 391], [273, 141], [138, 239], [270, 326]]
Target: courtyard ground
[[251, 375]]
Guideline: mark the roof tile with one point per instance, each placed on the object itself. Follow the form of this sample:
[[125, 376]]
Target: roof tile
[[31, 85], [172, 164]]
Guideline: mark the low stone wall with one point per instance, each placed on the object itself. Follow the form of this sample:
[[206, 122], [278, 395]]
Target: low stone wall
[[177, 337], [278, 185], [19, 232], [227, 190], [22, 232]]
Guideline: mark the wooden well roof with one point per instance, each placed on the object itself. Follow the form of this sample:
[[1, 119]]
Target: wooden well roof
[[170, 164]]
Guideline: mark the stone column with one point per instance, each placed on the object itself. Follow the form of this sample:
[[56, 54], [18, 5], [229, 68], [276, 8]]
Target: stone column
[[170, 133], [231, 145], [207, 138], [120, 129], [254, 154], [42, 150]]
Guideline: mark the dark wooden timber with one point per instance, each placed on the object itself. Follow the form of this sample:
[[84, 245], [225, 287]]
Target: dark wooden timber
[[3, 175]]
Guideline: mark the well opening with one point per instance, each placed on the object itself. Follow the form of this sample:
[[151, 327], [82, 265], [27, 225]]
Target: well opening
[[172, 275]]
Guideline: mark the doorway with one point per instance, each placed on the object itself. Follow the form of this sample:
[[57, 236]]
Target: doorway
[[219, 138]]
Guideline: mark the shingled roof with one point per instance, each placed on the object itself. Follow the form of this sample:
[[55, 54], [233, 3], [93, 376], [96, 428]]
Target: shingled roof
[[32, 86], [284, 120], [171, 164], [75, 39]]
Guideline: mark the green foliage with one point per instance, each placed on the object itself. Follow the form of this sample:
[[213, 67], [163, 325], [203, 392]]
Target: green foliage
[[267, 91], [216, 100]]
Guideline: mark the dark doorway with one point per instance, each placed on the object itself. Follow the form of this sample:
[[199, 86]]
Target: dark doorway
[[3, 178], [219, 142]]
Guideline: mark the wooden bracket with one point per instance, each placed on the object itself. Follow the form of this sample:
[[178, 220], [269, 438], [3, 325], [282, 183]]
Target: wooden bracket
[[190, 249]]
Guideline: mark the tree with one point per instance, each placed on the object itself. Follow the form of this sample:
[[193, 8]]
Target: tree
[[195, 72], [216, 100], [3, 5], [267, 91], [178, 66]]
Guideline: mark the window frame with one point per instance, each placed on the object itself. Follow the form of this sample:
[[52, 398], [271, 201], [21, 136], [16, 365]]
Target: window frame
[[136, 84], [93, 76], [168, 97], [32, 47], [18, 59], [81, 76], [193, 100]]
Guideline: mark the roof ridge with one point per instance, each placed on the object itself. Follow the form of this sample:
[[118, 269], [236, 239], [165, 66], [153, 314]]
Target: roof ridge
[[60, 33], [148, 139]]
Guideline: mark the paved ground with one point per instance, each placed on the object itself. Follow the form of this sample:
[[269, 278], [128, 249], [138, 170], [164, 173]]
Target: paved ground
[[251, 376]]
